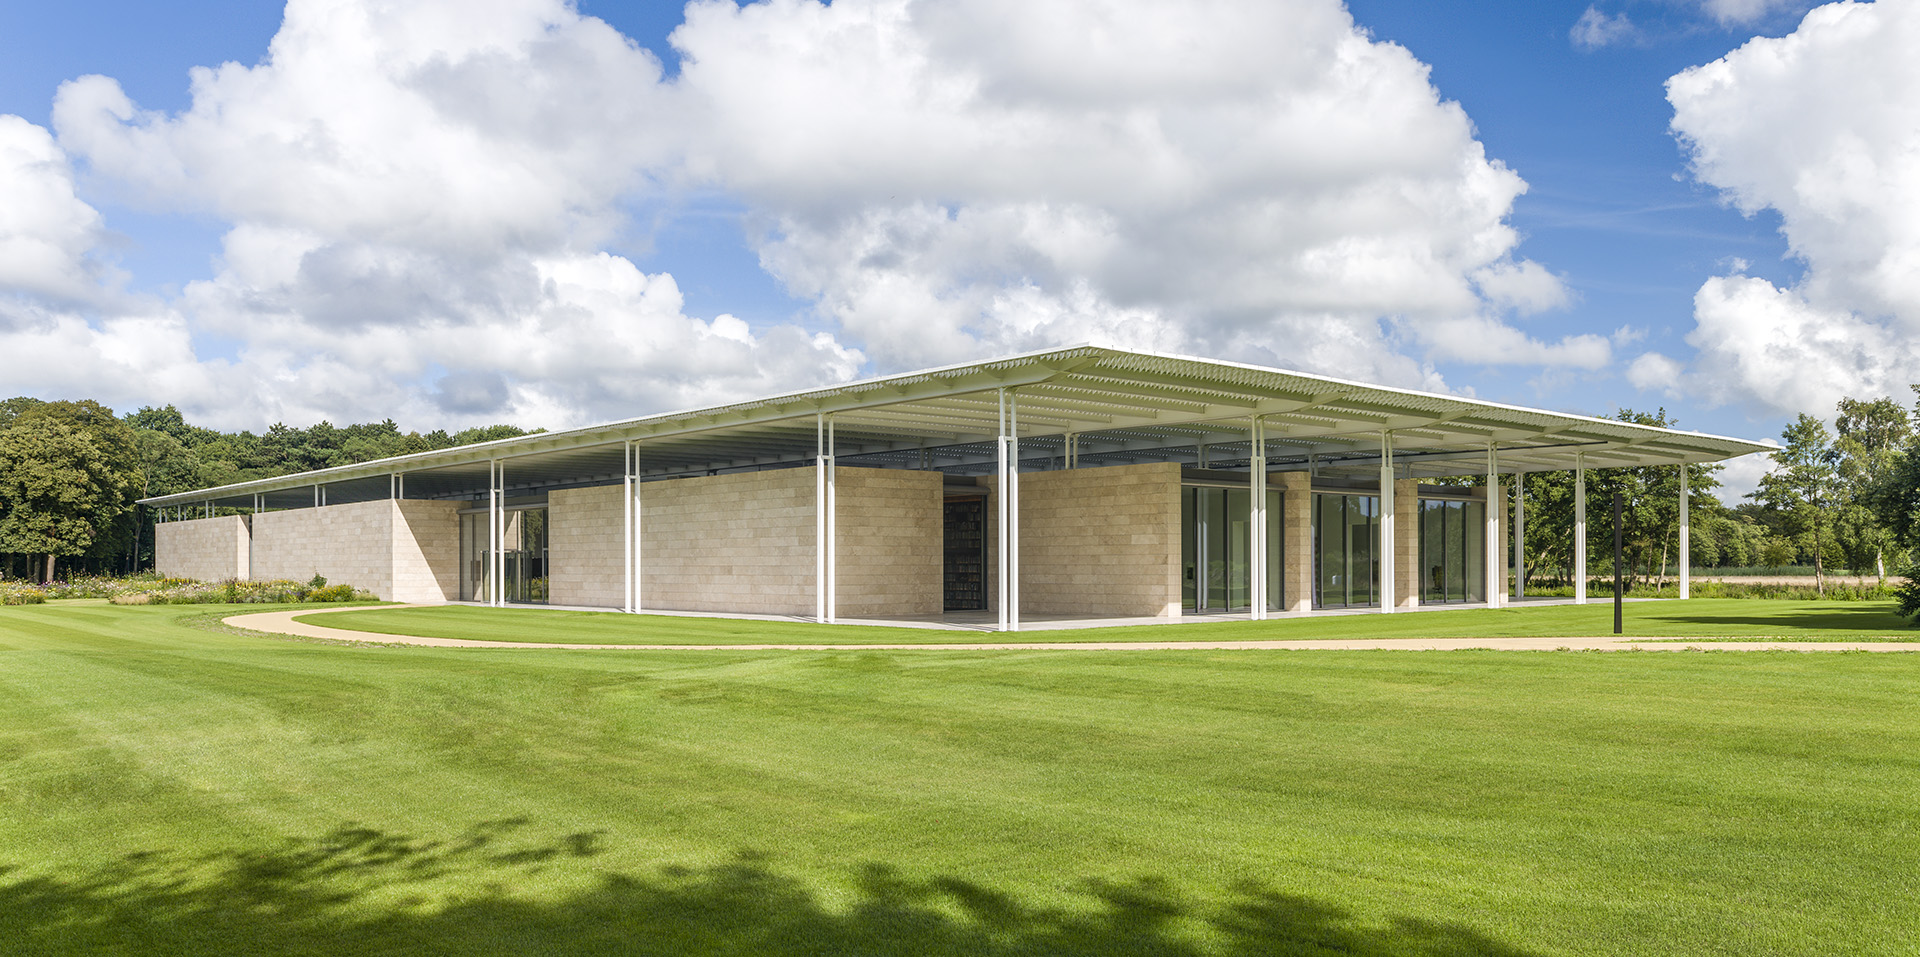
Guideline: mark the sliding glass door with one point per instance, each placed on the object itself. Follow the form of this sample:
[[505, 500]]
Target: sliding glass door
[[1346, 550], [524, 560], [1216, 545], [1452, 551]]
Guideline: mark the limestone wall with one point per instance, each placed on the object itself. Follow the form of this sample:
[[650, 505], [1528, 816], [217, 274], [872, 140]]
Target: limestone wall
[[1406, 552], [1100, 541], [204, 549], [890, 523], [584, 539], [744, 543], [348, 544], [741, 542], [426, 551], [1296, 500]]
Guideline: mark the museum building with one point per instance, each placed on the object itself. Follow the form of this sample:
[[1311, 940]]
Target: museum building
[[1079, 482]]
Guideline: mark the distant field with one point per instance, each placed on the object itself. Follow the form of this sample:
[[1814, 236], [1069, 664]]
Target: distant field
[[166, 789], [1696, 618]]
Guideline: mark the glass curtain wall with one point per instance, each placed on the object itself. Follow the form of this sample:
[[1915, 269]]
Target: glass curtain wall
[[1346, 550], [524, 560], [1452, 551], [1216, 543]]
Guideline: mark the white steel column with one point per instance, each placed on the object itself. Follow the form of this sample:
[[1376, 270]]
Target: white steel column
[[1013, 505], [626, 526], [1519, 534], [1686, 559], [496, 534], [820, 517], [1257, 465], [833, 529], [1496, 560], [1389, 542], [1580, 528], [639, 532], [1000, 492]]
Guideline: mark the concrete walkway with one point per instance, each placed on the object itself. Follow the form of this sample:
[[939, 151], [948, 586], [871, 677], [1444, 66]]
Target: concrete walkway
[[282, 622]]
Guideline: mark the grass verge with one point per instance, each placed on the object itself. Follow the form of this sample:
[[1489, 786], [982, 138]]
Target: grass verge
[[167, 791], [1697, 618]]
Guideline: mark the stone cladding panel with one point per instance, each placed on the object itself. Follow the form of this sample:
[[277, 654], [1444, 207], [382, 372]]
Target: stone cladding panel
[[1096, 541], [203, 549], [348, 544]]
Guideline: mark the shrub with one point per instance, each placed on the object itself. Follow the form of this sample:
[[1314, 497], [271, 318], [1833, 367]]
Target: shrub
[[1908, 593], [15, 593], [235, 592], [1836, 591], [330, 593], [111, 588]]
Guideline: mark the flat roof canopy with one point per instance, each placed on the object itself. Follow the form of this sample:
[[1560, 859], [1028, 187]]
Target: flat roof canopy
[[1118, 407]]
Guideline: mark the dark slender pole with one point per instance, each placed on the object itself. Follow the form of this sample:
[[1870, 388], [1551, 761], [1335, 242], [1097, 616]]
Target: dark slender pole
[[1617, 590]]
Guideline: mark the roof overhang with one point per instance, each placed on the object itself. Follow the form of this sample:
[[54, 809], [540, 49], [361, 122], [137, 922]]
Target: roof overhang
[[1119, 406]]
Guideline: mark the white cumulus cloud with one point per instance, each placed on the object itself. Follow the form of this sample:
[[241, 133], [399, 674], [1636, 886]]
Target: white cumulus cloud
[[1595, 29], [1822, 126], [417, 193], [1223, 177], [47, 233], [1743, 12], [419, 198]]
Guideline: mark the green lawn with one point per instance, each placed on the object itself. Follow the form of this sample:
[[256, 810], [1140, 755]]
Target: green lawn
[[166, 789], [1700, 617]]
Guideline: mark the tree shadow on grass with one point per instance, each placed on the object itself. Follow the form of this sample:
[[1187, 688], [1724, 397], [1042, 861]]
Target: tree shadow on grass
[[363, 891]]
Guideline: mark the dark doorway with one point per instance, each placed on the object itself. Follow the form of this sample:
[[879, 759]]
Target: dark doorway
[[965, 541]]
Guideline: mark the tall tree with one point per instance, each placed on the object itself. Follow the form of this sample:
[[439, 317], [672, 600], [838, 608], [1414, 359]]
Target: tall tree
[[61, 489], [1802, 483], [1871, 437]]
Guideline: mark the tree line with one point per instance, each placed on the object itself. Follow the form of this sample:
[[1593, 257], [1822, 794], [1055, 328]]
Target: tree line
[[71, 471], [1846, 495]]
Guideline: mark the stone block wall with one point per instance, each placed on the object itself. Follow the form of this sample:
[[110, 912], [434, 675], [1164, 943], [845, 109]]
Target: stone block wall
[[1296, 499], [204, 549], [426, 551], [1406, 552], [889, 524], [741, 542], [745, 543], [584, 541], [348, 544], [1099, 541]]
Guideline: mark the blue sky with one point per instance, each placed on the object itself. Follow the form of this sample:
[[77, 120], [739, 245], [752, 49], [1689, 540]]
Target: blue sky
[[1630, 277]]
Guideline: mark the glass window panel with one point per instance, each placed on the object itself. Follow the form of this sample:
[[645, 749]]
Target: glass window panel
[[1215, 500], [1238, 511], [1364, 565], [1326, 526], [1434, 556], [1456, 552], [1474, 563]]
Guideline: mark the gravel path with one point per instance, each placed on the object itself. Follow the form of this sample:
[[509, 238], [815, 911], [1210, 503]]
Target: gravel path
[[281, 622]]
